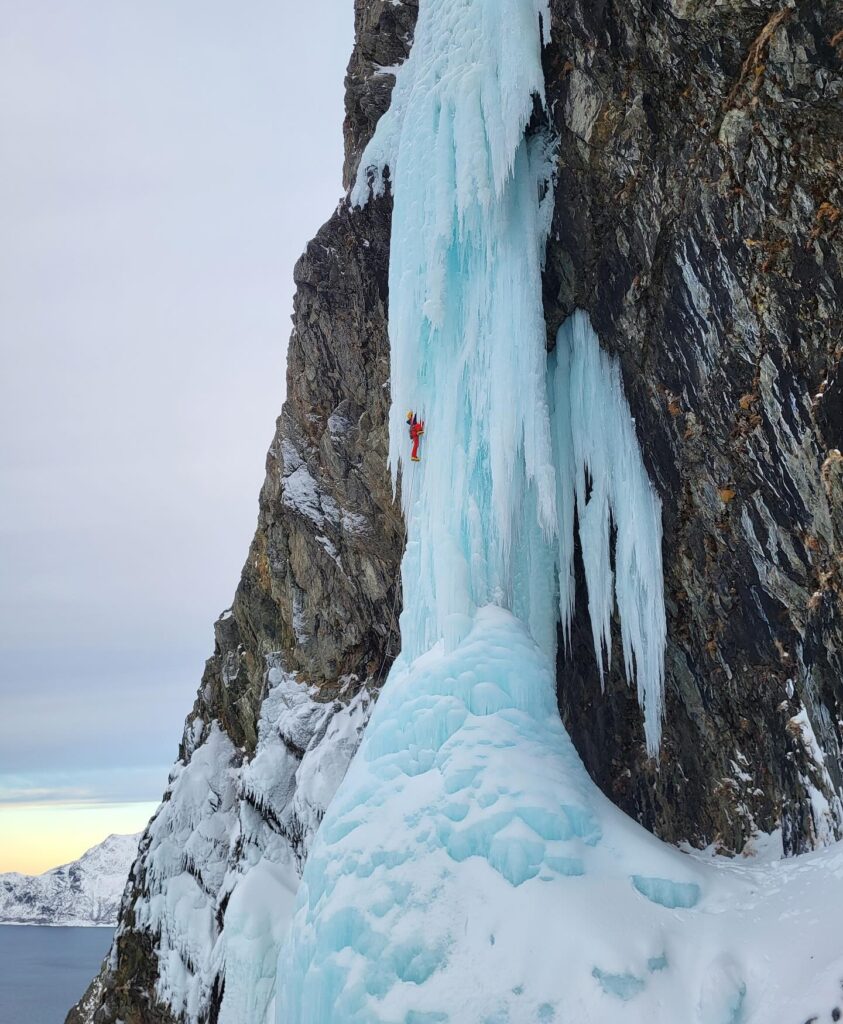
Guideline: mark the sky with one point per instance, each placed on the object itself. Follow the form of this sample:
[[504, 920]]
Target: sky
[[162, 165]]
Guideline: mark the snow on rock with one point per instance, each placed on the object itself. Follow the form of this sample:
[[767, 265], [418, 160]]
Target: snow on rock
[[224, 852], [280, 788], [826, 810], [85, 892], [184, 865], [300, 492]]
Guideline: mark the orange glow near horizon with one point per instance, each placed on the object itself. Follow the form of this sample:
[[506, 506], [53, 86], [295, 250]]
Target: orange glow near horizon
[[37, 837]]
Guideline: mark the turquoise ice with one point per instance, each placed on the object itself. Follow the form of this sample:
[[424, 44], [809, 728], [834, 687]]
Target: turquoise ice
[[513, 442], [466, 822]]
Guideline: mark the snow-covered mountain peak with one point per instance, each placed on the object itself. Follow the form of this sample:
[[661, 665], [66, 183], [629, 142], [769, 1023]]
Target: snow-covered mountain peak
[[113, 855], [84, 892]]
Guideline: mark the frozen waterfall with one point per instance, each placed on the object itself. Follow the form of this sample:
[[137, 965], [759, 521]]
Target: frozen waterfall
[[468, 870], [465, 756], [467, 333], [490, 508]]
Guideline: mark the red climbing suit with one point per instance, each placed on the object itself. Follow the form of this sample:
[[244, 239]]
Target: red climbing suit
[[416, 430]]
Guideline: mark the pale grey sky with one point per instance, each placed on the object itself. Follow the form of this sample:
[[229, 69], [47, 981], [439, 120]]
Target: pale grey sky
[[162, 164]]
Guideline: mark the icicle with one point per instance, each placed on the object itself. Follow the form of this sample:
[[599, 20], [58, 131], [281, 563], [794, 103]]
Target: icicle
[[596, 446]]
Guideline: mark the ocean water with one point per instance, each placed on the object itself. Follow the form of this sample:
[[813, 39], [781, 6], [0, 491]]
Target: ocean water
[[44, 971]]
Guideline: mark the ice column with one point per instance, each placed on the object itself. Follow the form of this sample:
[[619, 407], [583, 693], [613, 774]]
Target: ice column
[[467, 328], [600, 472]]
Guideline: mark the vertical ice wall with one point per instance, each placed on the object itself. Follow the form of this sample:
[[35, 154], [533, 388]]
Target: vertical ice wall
[[467, 330], [466, 816]]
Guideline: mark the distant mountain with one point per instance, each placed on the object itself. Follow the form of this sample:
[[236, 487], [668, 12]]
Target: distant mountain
[[85, 892]]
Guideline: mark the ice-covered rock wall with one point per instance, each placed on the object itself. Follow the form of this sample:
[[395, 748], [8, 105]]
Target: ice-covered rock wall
[[468, 868]]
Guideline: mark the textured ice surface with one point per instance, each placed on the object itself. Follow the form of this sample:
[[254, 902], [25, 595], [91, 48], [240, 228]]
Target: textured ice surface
[[668, 894], [600, 469], [510, 441], [464, 839], [467, 333], [441, 881]]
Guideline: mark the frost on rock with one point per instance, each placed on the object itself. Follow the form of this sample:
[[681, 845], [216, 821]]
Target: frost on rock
[[300, 492], [224, 854], [826, 806], [184, 868]]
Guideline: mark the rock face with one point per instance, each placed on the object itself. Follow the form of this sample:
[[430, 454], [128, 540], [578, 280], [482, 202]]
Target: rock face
[[697, 220], [83, 893]]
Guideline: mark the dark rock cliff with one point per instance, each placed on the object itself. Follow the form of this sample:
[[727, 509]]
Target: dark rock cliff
[[698, 220], [319, 581]]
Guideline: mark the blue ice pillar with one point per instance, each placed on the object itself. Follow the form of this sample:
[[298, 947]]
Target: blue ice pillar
[[600, 471], [467, 333]]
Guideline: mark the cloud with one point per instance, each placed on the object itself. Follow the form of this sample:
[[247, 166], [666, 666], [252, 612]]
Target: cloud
[[164, 165], [80, 789]]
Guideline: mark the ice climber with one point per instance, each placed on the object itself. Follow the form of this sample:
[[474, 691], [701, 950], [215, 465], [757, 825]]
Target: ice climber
[[416, 430]]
